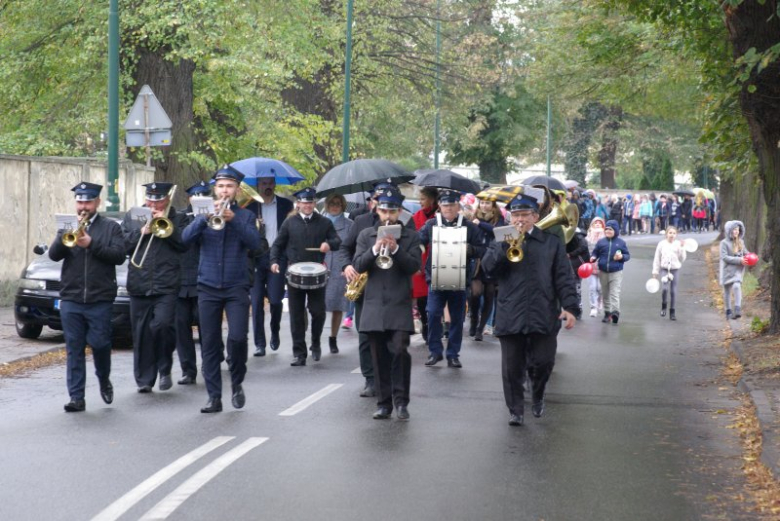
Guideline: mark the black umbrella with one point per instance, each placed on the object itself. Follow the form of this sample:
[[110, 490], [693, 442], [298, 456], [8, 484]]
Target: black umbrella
[[684, 192], [447, 179], [543, 180], [360, 175]]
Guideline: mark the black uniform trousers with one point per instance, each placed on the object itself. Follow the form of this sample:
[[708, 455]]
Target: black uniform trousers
[[364, 346], [393, 367], [212, 302], [86, 324], [186, 317], [519, 352], [298, 299], [154, 336], [267, 285]]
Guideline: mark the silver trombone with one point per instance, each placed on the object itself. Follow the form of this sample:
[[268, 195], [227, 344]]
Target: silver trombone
[[216, 221], [161, 227]]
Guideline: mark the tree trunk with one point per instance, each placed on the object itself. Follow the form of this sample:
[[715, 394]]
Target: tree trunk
[[609, 144], [493, 171], [753, 25], [172, 85], [578, 141]]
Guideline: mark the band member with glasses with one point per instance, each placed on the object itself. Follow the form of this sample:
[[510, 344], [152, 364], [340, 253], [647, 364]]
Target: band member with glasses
[[153, 280], [386, 316], [455, 300], [534, 295], [305, 236], [187, 301], [223, 286], [87, 293]]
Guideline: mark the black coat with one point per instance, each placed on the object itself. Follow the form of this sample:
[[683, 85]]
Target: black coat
[[89, 275], [532, 292], [295, 236], [578, 252], [387, 298], [160, 273], [189, 263]]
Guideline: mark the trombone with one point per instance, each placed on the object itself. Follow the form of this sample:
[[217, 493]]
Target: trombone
[[161, 227], [69, 237], [216, 222]]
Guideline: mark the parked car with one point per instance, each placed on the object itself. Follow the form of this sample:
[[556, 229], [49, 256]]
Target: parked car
[[37, 301]]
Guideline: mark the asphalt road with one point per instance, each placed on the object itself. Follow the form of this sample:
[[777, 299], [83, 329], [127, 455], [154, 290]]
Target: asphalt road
[[632, 431]]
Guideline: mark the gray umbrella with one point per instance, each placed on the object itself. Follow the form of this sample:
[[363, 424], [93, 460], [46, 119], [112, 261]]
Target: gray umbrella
[[360, 175], [543, 180], [447, 179]]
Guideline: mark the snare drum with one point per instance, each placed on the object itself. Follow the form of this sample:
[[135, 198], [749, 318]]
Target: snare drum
[[448, 258], [307, 275]]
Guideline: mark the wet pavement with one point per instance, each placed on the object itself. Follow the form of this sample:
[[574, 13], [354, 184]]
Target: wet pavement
[[632, 431]]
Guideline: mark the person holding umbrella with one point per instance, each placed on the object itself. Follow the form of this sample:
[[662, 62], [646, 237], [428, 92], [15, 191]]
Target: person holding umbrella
[[427, 211], [455, 300]]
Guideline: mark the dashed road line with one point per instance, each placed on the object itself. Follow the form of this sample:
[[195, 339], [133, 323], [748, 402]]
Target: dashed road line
[[306, 402]]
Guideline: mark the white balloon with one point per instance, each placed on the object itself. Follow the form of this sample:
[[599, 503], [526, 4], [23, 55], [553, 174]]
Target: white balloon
[[652, 285]]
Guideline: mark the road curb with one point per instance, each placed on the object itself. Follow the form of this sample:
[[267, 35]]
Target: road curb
[[30, 357]]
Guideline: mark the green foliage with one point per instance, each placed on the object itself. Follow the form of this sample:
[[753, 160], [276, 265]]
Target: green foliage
[[7, 292], [759, 326]]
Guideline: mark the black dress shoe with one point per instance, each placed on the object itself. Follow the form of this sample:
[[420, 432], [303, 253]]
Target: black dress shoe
[[165, 382], [446, 331], [472, 330], [145, 389], [239, 398], [75, 406], [107, 391], [213, 405], [187, 380], [298, 361], [334, 348], [478, 336], [434, 359], [383, 413], [537, 409], [259, 351], [316, 354], [274, 342], [402, 412], [515, 420], [454, 362], [368, 391]]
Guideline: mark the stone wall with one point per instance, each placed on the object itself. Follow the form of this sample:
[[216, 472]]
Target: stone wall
[[33, 189]]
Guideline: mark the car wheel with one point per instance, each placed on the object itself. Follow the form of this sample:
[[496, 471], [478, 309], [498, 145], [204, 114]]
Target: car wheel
[[28, 330]]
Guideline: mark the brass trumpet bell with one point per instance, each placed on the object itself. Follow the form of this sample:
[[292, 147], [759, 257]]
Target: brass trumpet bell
[[161, 227], [515, 251]]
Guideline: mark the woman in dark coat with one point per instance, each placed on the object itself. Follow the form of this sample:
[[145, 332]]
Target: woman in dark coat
[[335, 301], [483, 286]]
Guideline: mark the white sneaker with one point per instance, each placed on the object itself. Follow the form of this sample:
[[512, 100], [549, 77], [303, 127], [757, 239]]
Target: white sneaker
[[593, 312], [488, 330]]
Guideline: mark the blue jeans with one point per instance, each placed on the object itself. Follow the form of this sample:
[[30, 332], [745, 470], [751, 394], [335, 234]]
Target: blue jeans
[[86, 324], [456, 302]]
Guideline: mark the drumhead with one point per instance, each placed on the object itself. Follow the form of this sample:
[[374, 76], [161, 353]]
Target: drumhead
[[307, 269]]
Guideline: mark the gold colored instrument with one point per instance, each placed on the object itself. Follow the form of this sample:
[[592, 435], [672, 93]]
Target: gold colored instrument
[[160, 227], [246, 194], [216, 222], [515, 251], [356, 287], [69, 237], [562, 213]]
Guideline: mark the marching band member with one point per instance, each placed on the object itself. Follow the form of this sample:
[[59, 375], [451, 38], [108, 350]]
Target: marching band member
[[273, 211], [300, 233], [531, 294], [153, 289], [387, 308], [187, 301], [87, 300], [223, 287], [455, 300]]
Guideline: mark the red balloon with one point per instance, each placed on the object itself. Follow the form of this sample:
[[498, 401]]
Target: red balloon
[[585, 270], [751, 259]]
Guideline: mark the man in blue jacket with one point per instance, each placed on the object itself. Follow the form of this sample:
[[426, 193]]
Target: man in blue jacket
[[611, 253], [223, 286]]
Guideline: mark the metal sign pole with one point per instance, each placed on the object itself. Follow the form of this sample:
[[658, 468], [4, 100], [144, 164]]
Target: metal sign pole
[[146, 131]]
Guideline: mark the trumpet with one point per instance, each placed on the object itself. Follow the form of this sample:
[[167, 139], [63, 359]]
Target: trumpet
[[384, 260], [69, 237], [216, 222], [515, 251], [160, 227]]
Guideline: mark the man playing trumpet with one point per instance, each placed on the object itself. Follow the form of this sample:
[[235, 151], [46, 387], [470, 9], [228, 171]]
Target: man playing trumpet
[[88, 296], [223, 287], [153, 281]]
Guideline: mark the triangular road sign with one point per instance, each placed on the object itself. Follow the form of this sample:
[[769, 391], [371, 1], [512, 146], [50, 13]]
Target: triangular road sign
[[157, 118]]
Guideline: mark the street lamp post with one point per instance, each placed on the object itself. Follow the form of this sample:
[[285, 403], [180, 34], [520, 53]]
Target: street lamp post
[[437, 121], [347, 78], [549, 134], [113, 106]]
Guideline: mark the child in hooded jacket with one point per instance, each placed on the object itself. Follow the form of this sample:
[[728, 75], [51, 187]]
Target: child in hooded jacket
[[732, 266], [611, 253], [595, 234]]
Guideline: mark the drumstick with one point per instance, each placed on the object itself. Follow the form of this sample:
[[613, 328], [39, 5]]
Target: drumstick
[[312, 249]]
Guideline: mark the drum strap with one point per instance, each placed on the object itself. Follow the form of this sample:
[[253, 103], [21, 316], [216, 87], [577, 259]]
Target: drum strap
[[460, 220]]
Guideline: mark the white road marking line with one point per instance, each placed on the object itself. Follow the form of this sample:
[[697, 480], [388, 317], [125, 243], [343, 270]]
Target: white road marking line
[[303, 404], [173, 500], [357, 371], [126, 502]]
